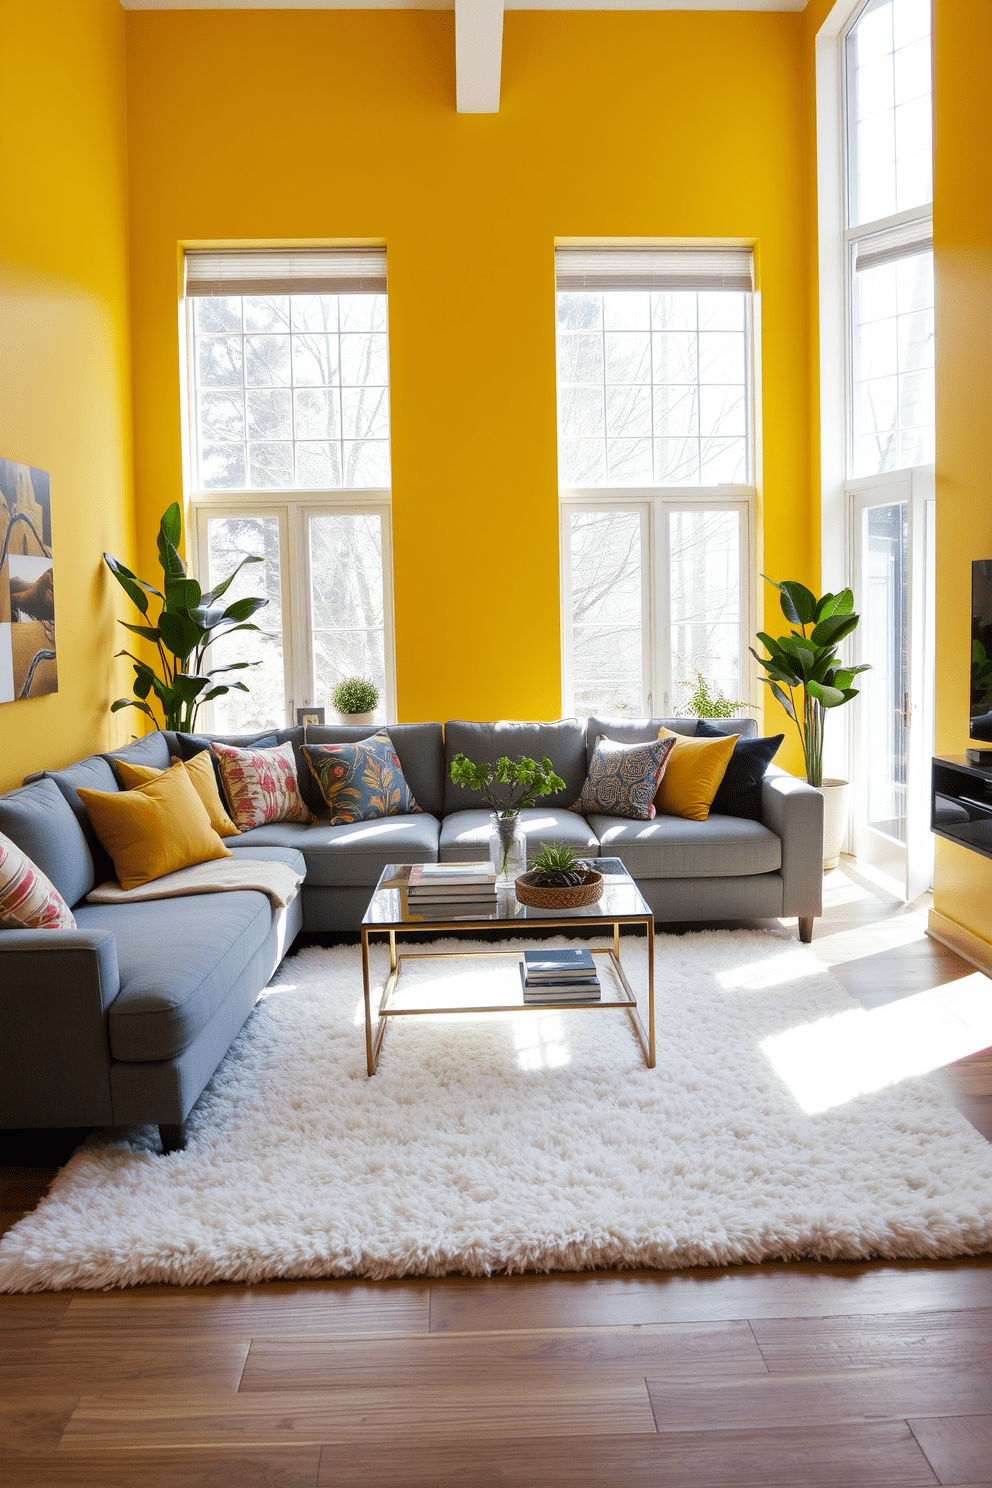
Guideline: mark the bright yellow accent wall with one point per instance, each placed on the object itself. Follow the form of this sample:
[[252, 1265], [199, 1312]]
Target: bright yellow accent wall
[[341, 124], [64, 342], [962, 224]]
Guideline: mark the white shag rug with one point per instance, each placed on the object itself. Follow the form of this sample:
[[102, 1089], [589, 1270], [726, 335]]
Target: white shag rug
[[529, 1141]]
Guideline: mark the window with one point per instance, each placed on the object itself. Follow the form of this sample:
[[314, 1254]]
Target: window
[[890, 237], [655, 408], [289, 460]]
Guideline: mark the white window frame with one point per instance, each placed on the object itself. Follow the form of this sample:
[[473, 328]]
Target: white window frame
[[293, 508], [654, 504]]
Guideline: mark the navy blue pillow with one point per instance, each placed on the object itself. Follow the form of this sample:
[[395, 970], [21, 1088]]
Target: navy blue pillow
[[740, 789]]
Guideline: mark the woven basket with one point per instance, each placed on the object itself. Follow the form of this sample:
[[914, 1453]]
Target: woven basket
[[573, 897]]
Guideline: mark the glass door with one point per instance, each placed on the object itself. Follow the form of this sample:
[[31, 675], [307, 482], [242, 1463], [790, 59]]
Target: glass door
[[893, 719]]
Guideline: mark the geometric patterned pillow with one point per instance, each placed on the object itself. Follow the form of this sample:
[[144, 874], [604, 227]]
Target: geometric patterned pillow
[[361, 781], [261, 785], [28, 900], [623, 778]]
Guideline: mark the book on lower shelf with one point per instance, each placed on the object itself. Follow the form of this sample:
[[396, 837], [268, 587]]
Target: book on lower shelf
[[449, 909], [571, 964], [568, 991]]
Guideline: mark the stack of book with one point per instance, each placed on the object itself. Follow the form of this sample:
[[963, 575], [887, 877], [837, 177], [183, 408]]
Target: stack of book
[[449, 891], [559, 976]]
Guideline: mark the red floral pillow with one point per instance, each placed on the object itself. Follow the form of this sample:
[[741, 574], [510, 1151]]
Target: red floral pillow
[[28, 900], [261, 785]]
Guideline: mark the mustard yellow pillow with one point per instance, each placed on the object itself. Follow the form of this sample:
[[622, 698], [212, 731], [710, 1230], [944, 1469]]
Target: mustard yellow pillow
[[201, 772], [693, 775], [155, 829]]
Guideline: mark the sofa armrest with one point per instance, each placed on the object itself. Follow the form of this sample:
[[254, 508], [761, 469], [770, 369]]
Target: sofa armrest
[[793, 810], [55, 989]]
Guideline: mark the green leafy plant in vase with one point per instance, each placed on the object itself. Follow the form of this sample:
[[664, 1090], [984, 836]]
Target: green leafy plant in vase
[[807, 676], [356, 699], [507, 787], [189, 622]]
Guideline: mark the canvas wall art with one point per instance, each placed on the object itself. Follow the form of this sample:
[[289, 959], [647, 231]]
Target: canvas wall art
[[28, 663]]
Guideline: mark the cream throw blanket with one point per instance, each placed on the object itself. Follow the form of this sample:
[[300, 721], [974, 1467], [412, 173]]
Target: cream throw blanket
[[224, 875]]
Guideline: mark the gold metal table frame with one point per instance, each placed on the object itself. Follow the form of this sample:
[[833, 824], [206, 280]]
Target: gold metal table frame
[[375, 1025]]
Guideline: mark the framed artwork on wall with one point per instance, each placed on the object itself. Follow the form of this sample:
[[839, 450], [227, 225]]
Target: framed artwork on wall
[[28, 661]]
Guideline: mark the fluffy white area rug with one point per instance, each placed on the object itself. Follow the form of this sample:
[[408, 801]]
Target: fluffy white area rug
[[533, 1140]]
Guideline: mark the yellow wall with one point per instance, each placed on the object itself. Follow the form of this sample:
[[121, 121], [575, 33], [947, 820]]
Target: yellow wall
[[341, 124], [64, 364], [963, 265]]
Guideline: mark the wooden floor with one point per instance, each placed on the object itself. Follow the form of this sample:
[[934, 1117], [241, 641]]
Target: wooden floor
[[783, 1374]]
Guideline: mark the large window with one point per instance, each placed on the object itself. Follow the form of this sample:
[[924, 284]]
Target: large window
[[890, 237], [289, 460], [656, 418]]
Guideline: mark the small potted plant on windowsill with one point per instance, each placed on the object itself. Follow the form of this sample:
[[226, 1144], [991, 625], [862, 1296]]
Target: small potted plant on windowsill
[[356, 699]]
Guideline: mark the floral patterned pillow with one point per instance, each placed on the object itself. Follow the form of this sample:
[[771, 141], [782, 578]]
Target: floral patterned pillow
[[28, 900], [361, 781], [260, 785], [623, 778]]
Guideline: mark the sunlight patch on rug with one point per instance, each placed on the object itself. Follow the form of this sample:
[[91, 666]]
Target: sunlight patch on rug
[[782, 1121]]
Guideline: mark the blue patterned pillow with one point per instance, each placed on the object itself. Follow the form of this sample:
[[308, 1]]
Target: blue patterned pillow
[[361, 781], [623, 778]]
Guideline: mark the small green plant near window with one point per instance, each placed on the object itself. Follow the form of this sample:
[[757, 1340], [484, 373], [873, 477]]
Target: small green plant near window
[[356, 695], [556, 866], [188, 624], [702, 703]]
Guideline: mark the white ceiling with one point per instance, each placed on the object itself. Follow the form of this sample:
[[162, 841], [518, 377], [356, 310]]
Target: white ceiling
[[450, 4]]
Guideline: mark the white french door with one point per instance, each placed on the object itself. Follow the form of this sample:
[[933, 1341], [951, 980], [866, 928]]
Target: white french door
[[893, 565], [328, 578]]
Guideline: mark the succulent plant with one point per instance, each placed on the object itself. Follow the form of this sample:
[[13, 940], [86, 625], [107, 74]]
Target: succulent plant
[[355, 695], [556, 867]]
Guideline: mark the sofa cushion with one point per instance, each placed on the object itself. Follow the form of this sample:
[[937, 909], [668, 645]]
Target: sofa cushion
[[465, 834], [675, 847], [695, 770], [740, 789], [178, 960], [361, 781], [484, 743], [353, 854], [260, 785], [202, 778], [623, 778], [95, 774], [420, 747], [154, 829], [28, 898], [152, 751], [39, 819], [640, 730]]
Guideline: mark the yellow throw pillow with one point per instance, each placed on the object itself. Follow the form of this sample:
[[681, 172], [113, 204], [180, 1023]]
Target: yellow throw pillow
[[200, 770], [155, 829], [693, 774]]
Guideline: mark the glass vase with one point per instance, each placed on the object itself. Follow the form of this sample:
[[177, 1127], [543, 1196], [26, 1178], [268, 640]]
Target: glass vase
[[507, 847]]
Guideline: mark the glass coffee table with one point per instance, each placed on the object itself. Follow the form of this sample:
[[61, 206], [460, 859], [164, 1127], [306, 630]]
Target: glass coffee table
[[621, 904]]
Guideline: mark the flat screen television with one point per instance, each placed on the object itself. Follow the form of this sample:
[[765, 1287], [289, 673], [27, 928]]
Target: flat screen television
[[981, 650]]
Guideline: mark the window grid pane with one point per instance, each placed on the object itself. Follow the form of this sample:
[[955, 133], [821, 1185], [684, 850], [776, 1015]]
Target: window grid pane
[[653, 388], [890, 110], [346, 603], [893, 365], [705, 604], [606, 628], [291, 391], [229, 540]]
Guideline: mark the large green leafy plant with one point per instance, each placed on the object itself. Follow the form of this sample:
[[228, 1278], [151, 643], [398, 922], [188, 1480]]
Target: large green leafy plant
[[806, 663], [188, 623]]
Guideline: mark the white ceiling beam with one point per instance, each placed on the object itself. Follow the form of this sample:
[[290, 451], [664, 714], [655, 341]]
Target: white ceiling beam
[[478, 55]]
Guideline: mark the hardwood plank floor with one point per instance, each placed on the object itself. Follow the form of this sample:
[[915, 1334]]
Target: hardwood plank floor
[[805, 1375]]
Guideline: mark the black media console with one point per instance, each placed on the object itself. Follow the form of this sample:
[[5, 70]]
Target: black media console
[[961, 803]]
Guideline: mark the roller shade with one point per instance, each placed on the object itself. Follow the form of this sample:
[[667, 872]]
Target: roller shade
[[898, 242], [654, 268], [286, 271]]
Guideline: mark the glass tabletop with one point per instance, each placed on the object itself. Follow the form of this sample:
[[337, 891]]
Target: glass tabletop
[[621, 899]]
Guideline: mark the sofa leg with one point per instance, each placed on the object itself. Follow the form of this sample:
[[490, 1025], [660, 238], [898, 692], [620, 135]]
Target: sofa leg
[[173, 1138], [805, 928]]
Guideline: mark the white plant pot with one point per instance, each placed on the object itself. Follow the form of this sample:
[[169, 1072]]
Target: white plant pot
[[357, 718], [836, 808]]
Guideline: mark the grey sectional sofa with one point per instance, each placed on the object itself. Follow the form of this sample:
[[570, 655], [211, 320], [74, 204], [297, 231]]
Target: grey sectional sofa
[[123, 1020]]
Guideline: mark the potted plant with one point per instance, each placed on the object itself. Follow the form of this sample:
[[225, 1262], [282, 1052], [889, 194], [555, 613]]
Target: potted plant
[[557, 878], [508, 787], [188, 623], [806, 662], [356, 699]]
